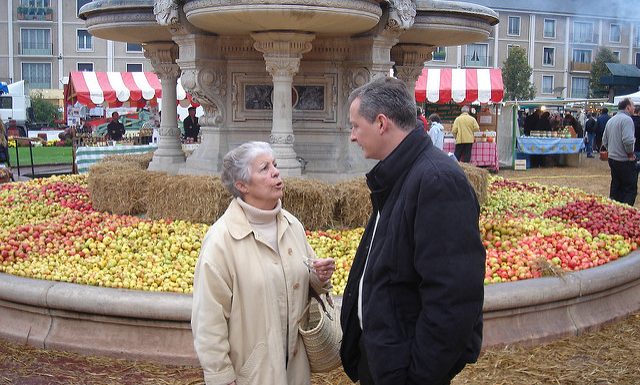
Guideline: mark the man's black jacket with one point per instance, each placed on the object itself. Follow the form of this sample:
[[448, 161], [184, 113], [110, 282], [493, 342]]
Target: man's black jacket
[[423, 289]]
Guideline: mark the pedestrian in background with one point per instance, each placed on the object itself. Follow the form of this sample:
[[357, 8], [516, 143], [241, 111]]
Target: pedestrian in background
[[618, 138], [436, 131], [601, 123], [412, 308], [115, 129], [636, 125], [463, 128], [590, 130]]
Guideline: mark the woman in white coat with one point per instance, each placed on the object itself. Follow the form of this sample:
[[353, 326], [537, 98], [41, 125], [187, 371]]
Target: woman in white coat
[[251, 284]]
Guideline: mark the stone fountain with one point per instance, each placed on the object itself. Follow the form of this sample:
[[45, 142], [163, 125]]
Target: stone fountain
[[280, 70]]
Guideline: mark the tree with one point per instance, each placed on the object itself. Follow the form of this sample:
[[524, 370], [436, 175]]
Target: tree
[[516, 73], [43, 110], [598, 70]]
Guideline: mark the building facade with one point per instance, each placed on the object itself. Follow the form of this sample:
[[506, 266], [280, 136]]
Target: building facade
[[561, 39], [45, 40]]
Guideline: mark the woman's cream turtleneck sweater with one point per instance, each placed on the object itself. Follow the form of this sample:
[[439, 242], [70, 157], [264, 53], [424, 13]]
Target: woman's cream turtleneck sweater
[[263, 222]]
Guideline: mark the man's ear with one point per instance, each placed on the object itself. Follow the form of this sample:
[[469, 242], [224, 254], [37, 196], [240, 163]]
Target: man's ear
[[382, 123]]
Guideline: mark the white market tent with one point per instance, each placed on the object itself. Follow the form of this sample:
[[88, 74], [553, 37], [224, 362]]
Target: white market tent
[[635, 97]]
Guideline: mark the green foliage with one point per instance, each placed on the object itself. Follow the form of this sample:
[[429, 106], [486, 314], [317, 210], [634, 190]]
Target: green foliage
[[44, 110], [516, 73], [598, 70]]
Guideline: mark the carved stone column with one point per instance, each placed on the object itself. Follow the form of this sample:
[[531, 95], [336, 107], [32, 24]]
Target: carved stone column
[[169, 156], [204, 76], [409, 59], [282, 53]]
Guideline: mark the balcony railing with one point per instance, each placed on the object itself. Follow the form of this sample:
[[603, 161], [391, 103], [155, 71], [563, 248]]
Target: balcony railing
[[34, 13], [477, 61], [584, 38], [35, 49], [579, 66]]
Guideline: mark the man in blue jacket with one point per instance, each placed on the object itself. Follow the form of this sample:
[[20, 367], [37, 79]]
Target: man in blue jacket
[[412, 308]]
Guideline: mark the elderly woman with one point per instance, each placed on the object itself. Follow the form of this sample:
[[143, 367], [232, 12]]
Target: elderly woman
[[251, 283]]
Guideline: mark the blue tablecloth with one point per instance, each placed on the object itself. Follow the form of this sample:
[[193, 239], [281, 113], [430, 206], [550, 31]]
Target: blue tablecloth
[[544, 146], [87, 156]]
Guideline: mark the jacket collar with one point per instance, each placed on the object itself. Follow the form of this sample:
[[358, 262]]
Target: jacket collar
[[239, 226], [388, 171]]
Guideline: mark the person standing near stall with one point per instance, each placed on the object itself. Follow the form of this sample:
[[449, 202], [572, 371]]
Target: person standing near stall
[[601, 123], [191, 125], [115, 129], [463, 128]]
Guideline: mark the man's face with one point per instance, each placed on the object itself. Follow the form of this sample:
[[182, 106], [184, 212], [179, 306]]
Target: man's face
[[115, 117], [630, 108], [366, 134], [192, 113]]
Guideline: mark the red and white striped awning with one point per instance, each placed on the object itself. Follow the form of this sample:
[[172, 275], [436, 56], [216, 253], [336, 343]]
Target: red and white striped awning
[[462, 85], [115, 89]]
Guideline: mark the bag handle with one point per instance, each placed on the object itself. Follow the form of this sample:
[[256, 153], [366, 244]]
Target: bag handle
[[317, 297]]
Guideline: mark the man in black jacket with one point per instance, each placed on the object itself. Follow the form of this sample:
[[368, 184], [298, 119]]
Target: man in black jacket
[[412, 308], [115, 129]]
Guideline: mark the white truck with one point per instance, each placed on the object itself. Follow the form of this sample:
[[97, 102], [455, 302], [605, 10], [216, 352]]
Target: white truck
[[15, 105]]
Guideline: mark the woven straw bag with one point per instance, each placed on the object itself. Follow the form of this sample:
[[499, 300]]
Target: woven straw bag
[[321, 334]]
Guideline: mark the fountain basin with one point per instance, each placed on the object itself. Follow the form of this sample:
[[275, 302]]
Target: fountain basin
[[156, 326], [123, 20], [328, 18]]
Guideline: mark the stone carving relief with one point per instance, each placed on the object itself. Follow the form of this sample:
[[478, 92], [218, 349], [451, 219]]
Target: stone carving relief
[[207, 87], [402, 14], [281, 139], [163, 59], [166, 12], [354, 78]]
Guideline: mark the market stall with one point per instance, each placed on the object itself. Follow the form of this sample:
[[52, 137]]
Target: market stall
[[563, 145], [445, 90]]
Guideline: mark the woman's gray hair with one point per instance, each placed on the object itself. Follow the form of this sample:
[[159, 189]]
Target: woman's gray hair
[[387, 96], [236, 165]]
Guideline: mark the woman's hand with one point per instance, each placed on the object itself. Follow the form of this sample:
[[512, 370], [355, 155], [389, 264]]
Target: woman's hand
[[324, 268]]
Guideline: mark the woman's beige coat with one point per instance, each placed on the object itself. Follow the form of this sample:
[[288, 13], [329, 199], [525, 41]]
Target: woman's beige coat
[[235, 318]]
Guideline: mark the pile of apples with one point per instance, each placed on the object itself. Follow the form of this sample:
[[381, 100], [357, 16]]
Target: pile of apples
[[49, 230]]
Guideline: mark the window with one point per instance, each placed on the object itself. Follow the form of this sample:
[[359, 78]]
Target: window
[[85, 67], [582, 55], [440, 54], [134, 47], [509, 46], [37, 75], [80, 3], [477, 55], [547, 84], [617, 55], [579, 87], [36, 3], [549, 28], [514, 26], [6, 102], [614, 33], [548, 56], [36, 42], [137, 67], [582, 32], [85, 40]]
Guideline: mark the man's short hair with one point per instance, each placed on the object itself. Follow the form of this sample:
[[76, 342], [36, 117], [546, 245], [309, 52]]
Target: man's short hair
[[388, 96], [114, 113], [624, 103], [464, 109], [191, 108], [604, 110]]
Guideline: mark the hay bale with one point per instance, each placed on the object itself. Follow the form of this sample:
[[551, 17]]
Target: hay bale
[[479, 180], [194, 198], [121, 192], [311, 201], [113, 166], [142, 159], [353, 206]]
